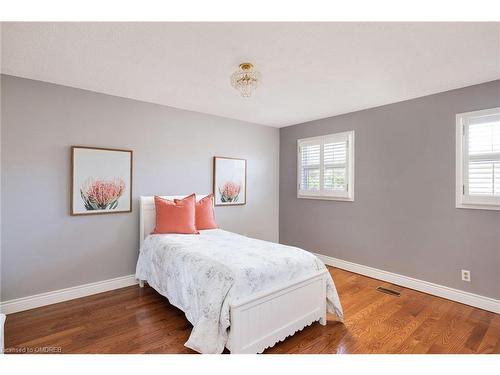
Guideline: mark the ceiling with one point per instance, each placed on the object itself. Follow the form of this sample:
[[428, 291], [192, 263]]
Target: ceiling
[[309, 70]]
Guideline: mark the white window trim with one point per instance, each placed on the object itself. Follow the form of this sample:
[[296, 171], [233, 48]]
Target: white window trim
[[463, 200], [335, 196]]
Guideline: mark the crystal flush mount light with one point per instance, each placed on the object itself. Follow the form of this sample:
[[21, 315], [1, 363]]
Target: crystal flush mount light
[[245, 80]]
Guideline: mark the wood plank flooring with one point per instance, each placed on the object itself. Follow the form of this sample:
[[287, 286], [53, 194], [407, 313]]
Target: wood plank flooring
[[135, 320]]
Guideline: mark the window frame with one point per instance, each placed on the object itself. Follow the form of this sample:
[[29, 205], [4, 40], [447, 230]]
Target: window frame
[[348, 195], [463, 199]]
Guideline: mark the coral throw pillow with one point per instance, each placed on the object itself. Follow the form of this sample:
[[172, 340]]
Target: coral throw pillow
[[205, 215], [175, 216]]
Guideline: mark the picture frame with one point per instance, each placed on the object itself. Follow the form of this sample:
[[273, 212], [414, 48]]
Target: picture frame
[[229, 181], [101, 180]]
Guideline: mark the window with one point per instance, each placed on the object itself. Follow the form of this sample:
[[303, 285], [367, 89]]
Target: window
[[478, 159], [326, 167]]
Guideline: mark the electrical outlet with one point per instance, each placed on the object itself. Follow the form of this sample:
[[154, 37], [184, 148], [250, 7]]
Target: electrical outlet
[[466, 275]]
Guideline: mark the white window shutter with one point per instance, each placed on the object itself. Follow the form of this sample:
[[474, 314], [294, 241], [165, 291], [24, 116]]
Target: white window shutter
[[310, 162], [335, 165], [484, 159]]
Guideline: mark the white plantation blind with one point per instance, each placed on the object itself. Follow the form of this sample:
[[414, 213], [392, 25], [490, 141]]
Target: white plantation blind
[[480, 158], [325, 166], [335, 166], [310, 160], [484, 158]]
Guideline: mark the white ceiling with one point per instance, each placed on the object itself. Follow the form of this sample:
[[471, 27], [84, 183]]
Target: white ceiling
[[309, 70]]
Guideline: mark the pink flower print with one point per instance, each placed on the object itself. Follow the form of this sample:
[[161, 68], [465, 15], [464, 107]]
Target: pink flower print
[[229, 191], [101, 194]]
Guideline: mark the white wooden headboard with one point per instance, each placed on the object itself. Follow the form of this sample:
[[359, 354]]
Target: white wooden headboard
[[147, 213]]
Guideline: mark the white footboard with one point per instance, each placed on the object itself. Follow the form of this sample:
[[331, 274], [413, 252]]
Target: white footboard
[[264, 319]]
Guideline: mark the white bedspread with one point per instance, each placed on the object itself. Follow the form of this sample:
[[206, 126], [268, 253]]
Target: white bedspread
[[202, 274]]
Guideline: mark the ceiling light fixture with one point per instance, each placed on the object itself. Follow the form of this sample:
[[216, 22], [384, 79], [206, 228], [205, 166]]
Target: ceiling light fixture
[[245, 80]]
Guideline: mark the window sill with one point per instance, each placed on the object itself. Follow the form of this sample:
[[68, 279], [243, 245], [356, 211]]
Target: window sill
[[327, 198], [475, 206]]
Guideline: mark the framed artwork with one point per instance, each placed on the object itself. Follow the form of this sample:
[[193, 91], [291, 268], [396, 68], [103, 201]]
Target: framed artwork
[[230, 181], [101, 180]]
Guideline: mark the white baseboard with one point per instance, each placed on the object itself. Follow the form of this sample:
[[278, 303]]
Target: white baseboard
[[485, 303], [43, 299]]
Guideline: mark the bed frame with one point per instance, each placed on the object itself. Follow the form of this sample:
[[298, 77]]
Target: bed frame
[[263, 319]]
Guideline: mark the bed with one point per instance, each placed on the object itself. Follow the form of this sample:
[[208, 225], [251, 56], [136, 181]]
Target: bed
[[238, 292]]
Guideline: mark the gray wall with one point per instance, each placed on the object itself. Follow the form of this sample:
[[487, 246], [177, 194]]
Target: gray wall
[[403, 219], [43, 248]]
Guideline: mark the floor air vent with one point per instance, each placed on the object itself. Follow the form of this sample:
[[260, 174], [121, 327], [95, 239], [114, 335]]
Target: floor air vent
[[388, 291]]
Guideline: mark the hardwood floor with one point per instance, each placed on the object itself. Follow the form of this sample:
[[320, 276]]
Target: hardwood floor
[[135, 320]]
